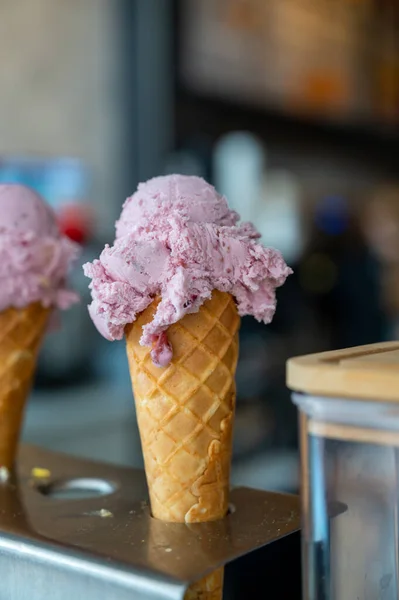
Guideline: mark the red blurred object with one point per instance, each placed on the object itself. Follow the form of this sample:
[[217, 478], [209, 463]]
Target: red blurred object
[[76, 222]]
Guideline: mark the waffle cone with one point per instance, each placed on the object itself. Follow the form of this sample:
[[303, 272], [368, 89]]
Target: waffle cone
[[21, 333], [185, 416], [209, 588]]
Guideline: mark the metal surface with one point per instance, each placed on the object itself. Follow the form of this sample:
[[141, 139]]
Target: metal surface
[[109, 546]]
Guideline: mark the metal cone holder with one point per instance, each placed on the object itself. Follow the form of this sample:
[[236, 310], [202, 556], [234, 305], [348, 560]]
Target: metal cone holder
[[55, 543]]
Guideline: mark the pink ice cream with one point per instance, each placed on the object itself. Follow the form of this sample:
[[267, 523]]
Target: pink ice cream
[[178, 240], [34, 256]]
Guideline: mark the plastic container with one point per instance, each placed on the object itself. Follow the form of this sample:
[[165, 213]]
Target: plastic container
[[348, 403]]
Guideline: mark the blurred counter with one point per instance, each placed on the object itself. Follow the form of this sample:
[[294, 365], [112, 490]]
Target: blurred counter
[[95, 420]]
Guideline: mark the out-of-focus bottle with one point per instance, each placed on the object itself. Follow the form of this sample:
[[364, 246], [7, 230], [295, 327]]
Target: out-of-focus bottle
[[239, 163], [279, 216]]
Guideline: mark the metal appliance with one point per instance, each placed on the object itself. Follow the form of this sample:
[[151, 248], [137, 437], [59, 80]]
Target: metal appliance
[[71, 528]]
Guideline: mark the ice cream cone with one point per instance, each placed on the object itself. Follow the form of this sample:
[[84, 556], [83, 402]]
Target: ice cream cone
[[21, 333], [177, 239], [209, 588], [185, 414]]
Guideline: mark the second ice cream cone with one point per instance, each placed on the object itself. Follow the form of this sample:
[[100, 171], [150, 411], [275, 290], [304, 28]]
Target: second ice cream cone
[[34, 261], [21, 333], [185, 414]]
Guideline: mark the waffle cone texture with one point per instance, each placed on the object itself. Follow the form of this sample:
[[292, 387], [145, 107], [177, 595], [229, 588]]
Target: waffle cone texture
[[208, 588], [21, 334], [185, 415]]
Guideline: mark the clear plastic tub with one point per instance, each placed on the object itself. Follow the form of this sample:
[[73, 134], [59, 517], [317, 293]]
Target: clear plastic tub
[[349, 472]]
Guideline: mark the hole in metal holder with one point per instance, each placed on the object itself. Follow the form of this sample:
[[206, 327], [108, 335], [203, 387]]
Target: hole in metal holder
[[77, 489]]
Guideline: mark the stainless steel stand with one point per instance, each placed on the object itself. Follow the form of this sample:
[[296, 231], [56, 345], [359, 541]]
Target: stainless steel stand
[[108, 546]]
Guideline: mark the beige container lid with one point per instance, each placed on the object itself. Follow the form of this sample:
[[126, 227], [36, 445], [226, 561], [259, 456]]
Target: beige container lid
[[363, 372]]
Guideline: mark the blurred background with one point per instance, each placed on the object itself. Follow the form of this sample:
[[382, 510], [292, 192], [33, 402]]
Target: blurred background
[[290, 107]]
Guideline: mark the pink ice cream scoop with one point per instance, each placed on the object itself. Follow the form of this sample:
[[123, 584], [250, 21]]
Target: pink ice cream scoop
[[34, 256], [178, 240]]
